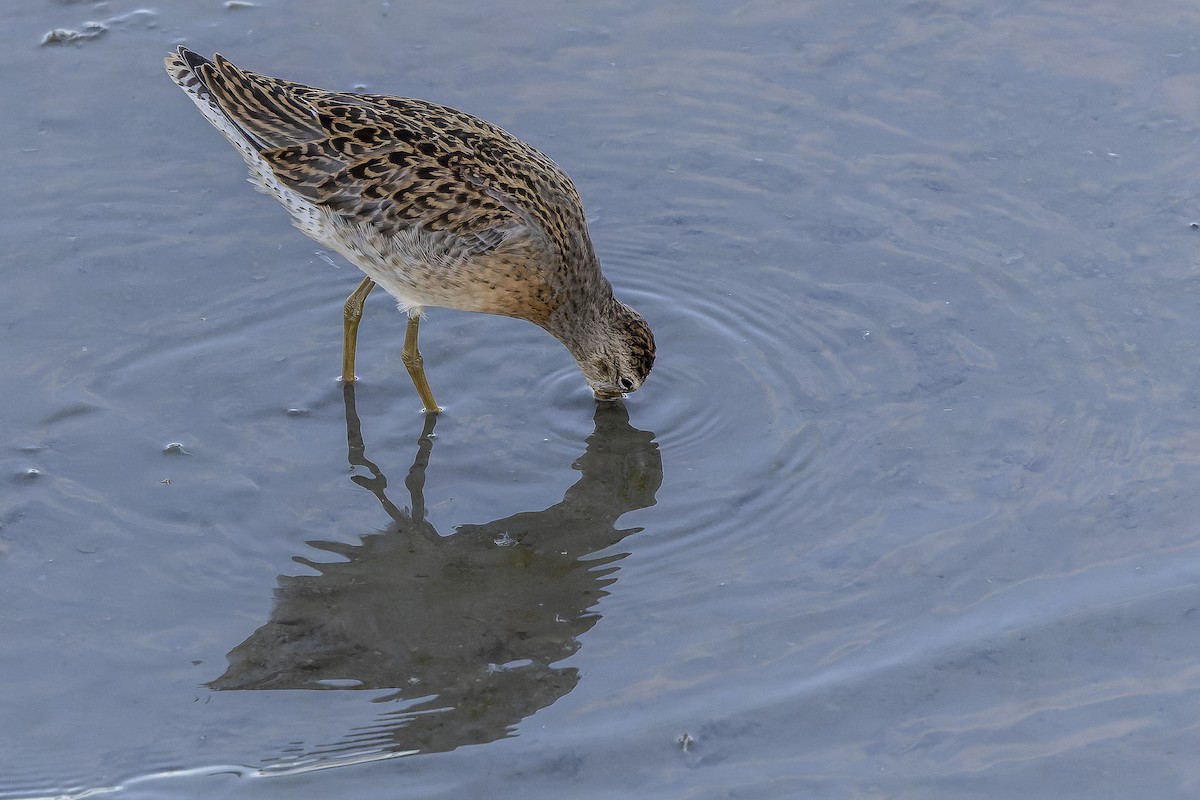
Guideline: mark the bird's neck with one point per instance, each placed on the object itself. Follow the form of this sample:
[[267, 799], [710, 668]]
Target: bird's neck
[[587, 313]]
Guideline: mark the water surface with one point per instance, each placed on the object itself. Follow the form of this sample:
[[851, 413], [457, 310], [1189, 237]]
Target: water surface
[[906, 509]]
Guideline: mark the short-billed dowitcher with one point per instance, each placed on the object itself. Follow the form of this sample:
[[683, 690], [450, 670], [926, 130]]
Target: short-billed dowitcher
[[437, 206]]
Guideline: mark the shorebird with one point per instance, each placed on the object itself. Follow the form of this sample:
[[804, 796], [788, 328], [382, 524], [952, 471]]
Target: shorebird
[[438, 207]]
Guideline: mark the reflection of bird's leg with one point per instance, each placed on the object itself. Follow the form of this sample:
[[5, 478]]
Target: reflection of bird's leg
[[356, 455], [411, 357], [354, 312], [356, 450], [415, 481], [377, 483]]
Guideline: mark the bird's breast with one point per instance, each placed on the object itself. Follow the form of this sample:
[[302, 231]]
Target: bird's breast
[[420, 267]]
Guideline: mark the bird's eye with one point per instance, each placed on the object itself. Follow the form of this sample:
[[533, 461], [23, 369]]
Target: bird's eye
[[625, 384]]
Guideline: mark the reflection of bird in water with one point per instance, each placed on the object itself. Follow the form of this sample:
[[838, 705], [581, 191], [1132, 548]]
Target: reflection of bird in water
[[437, 206], [467, 628]]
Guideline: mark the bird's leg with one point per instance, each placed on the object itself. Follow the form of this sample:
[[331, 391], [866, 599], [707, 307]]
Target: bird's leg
[[411, 357], [354, 312]]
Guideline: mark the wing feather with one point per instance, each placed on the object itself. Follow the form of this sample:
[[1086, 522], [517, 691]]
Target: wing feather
[[362, 157]]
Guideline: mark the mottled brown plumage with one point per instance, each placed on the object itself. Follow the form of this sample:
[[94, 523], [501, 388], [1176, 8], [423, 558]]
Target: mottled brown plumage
[[437, 206]]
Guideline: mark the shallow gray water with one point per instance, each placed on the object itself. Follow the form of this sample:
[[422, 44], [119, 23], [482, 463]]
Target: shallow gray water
[[907, 509]]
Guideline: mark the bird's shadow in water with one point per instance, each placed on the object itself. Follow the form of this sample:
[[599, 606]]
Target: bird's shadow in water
[[466, 629]]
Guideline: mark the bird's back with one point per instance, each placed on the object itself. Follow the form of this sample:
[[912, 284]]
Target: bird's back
[[440, 207]]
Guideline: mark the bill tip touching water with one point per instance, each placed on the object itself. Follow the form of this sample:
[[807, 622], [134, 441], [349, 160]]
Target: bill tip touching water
[[438, 207]]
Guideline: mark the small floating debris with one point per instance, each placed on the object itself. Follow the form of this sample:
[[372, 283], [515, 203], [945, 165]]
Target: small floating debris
[[686, 741], [141, 18], [30, 474], [175, 449], [91, 30], [1196, 226], [239, 4], [299, 412]]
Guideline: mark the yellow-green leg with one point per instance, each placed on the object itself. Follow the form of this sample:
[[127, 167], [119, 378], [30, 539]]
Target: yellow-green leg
[[354, 312], [411, 357]]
